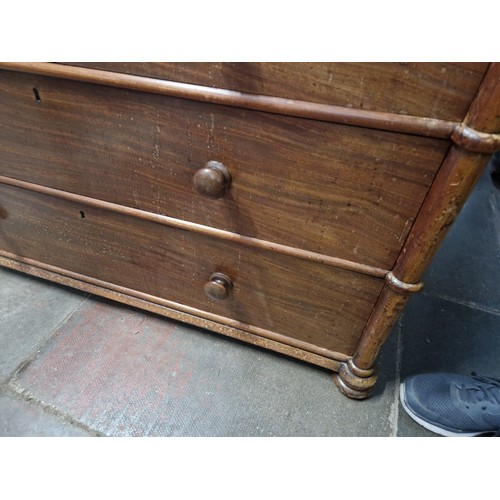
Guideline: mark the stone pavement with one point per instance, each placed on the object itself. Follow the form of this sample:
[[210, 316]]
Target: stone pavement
[[72, 364]]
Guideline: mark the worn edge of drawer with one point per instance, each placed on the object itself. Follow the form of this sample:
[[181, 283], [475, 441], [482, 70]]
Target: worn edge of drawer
[[201, 229], [464, 136], [303, 351], [414, 125]]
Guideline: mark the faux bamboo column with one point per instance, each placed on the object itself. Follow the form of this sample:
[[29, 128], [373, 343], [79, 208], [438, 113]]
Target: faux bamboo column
[[474, 142]]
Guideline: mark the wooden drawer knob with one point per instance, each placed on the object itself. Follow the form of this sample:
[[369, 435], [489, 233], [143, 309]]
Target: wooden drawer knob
[[212, 180], [218, 287]]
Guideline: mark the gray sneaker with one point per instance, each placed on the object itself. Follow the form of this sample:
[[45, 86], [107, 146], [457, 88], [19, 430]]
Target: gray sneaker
[[453, 405]]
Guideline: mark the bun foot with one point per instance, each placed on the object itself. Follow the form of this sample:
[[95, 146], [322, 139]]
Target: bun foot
[[354, 382]]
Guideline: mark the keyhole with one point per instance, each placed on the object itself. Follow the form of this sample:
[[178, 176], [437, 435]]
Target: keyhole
[[37, 95], [82, 215]]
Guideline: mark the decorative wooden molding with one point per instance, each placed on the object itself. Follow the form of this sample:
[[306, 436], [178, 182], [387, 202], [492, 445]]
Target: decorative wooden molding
[[477, 142], [199, 228], [241, 335], [416, 125], [400, 286], [461, 134], [227, 326]]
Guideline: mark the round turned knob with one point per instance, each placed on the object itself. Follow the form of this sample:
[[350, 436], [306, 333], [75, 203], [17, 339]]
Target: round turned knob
[[218, 287], [212, 180]]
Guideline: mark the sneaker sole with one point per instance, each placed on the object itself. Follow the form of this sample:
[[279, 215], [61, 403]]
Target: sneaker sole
[[428, 425]]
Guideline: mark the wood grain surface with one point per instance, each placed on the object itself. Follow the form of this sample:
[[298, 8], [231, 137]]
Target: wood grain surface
[[379, 120], [433, 90], [299, 299], [344, 191]]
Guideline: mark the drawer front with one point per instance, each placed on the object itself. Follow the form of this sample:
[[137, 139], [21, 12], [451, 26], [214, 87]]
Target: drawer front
[[332, 189], [297, 298], [434, 90]]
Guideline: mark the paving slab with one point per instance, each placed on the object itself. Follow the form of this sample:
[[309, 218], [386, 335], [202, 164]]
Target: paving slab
[[30, 309], [124, 372], [20, 418]]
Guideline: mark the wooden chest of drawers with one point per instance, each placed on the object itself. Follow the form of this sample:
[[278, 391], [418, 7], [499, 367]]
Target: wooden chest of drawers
[[290, 205]]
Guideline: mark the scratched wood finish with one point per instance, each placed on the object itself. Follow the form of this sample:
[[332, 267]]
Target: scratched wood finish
[[433, 90], [302, 300], [344, 191]]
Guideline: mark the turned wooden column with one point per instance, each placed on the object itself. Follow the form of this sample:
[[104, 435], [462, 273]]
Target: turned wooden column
[[474, 141]]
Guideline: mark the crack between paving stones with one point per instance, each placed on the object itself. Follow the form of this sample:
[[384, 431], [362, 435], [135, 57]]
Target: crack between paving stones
[[14, 390], [23, 365], [470, 305]]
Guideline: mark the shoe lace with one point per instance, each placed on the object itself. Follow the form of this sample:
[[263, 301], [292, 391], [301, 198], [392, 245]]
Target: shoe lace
[[486, 390]]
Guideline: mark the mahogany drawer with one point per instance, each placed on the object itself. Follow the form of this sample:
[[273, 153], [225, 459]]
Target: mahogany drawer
[[353, 192], [402, 88], [313, 303], [324, 231]]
